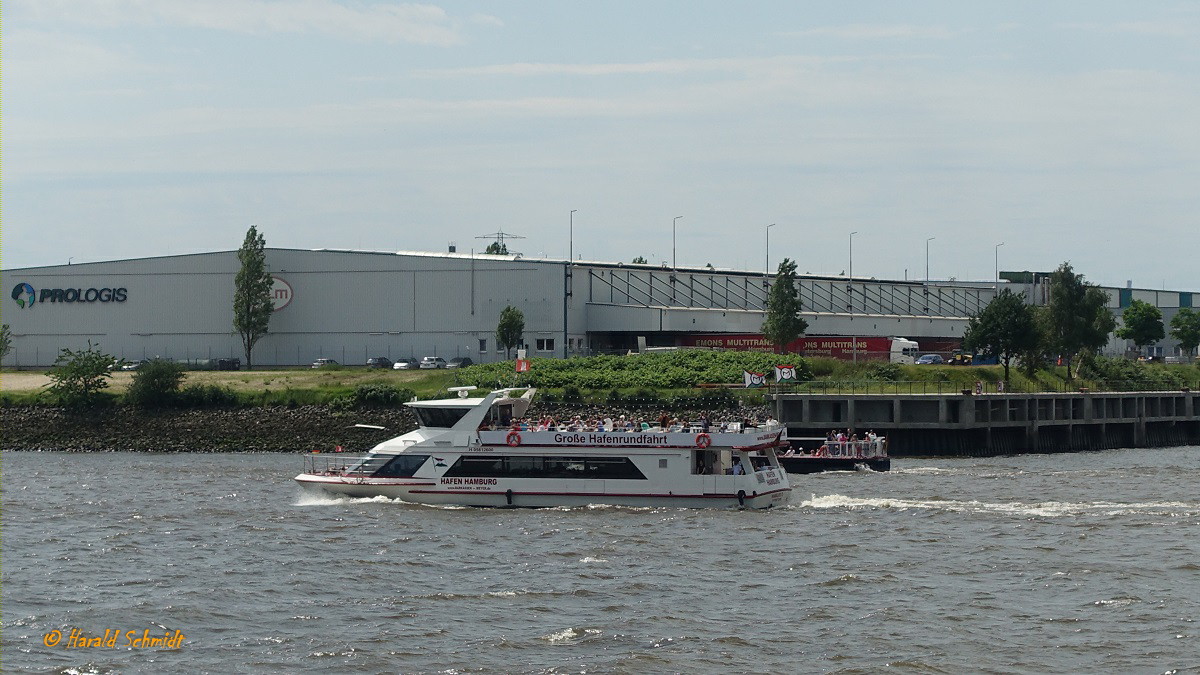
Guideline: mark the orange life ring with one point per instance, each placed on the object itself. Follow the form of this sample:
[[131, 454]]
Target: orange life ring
[[703, 440], [514, 438]]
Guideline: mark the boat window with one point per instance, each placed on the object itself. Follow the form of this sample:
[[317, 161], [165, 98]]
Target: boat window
[[401, 466], [494, 466], [499, 416], [440, 417]]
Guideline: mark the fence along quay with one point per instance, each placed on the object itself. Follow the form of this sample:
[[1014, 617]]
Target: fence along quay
[[970, 424]]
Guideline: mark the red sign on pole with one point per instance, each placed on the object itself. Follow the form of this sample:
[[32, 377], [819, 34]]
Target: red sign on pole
[[522, 365]]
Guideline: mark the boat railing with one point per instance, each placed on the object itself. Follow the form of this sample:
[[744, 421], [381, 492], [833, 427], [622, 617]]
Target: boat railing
[[338, 464], [691, 427], [820, 447]]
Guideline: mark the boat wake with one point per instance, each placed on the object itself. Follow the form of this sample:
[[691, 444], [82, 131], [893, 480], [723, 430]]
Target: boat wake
[[307, 498], [1039, 509]]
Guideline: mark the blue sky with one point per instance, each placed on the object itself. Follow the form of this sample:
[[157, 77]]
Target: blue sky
[[1065, 130]]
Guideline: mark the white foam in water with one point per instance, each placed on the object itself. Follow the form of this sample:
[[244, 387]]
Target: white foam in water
[[926, 470], [1043, 509], [569, 634], [562, 636], [307, 498]]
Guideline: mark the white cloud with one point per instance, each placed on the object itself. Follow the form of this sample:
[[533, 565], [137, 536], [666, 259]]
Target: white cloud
[[486, 20], [408, 22], [34, 59], [664, 67], [862, 31], [1181, 29]]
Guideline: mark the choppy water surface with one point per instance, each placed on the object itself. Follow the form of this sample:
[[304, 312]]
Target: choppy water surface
[[1068, 563]]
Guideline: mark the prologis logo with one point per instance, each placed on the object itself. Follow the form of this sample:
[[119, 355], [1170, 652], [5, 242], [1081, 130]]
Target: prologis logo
[[24, 295]]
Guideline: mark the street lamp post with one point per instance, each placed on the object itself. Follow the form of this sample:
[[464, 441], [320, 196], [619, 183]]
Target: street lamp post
[[768, 265], [927, 258], [850, 288], [675, 220], [571, 245], [998, 266], [567, 281]]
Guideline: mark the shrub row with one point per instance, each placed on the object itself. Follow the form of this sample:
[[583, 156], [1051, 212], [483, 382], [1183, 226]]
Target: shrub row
[[664, 370]]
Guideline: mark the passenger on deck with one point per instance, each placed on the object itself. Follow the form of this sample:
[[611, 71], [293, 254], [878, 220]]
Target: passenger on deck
[[737, 469], [704, 423]]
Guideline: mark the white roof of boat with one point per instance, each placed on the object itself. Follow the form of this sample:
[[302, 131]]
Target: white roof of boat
[[447, 403]]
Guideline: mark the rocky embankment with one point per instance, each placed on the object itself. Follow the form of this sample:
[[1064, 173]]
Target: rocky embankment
[[268, 429]]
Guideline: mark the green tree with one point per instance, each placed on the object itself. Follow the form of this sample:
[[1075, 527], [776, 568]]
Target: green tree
[[640, 260], [1142, 323], [1034, 357], [155, 384], [77, 376], [1185, 327], [510, 328], [497, 248], [1006, 328], [5, 340], [783, 324], [1078, 318], [252, 304]]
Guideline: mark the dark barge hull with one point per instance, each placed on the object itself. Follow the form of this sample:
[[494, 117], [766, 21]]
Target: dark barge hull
[[819, 464]]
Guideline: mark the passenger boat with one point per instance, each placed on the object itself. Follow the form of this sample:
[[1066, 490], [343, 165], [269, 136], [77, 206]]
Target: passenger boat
[[823, 455], [466, 451]]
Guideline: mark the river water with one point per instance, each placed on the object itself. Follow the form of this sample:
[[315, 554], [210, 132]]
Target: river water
[[1083, 562]]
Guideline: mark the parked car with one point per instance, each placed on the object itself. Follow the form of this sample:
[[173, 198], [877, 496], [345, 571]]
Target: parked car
[[135, 364], [432, 362], [930, 360], [407, 363], [459, 362], [379, 362], [324, 362]]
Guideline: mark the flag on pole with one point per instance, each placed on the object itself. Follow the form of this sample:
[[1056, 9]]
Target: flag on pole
[[754, 379], [522, 365], [785, 373]]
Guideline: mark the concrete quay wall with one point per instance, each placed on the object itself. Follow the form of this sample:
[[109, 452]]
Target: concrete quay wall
[[969, 424]]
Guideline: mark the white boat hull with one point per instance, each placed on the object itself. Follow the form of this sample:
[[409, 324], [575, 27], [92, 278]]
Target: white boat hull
[[528, 494]]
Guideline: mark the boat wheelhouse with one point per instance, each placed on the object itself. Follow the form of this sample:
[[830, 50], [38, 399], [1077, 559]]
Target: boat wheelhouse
[[468, 451]]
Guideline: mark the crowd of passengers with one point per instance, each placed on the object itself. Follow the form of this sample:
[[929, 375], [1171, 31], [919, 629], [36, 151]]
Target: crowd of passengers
[[835, 436], [631, 423]]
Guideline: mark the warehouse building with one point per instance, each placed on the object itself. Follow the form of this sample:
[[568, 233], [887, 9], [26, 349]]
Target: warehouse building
[[353, 305]]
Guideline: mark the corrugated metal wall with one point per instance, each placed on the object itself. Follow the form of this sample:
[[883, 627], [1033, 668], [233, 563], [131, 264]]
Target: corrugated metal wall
[[350, 305]]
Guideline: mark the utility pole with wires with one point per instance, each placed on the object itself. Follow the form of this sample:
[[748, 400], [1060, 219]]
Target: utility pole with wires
[[498, 247]]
